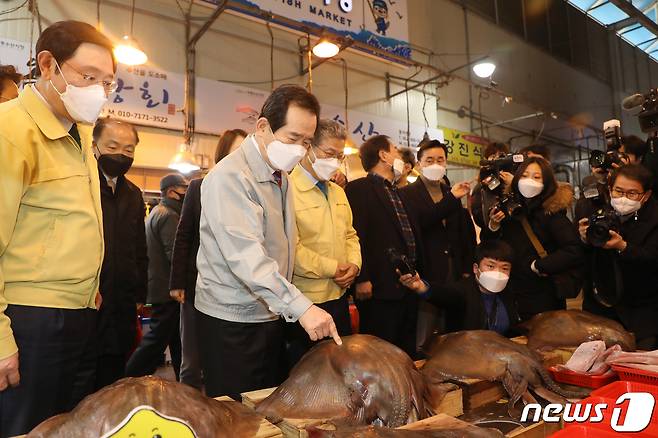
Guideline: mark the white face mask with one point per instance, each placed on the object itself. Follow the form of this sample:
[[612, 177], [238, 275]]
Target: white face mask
[[624, 206], [325, 168], [435, 172], [398, 168], [530, 188], [493, 281], [284, 157], [84, 104]]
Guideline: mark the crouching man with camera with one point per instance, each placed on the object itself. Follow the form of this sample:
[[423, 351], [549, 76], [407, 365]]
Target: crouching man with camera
[[622, 250]]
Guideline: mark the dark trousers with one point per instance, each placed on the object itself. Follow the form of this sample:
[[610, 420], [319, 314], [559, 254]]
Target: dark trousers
[[164, 331], [57, 361], [298, 341], [190, 369], [391, 320], [109, 369], [239, 357]]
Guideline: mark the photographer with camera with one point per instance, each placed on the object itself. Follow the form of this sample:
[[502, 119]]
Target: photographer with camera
[[622, 251], [482, 198], [532, 219], [482, 302]]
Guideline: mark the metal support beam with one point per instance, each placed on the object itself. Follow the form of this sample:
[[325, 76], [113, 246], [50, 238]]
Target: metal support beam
[[434, 78], [639, 17], [190, 67]]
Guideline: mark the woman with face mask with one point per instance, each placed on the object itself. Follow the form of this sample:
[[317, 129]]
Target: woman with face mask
[[481, 302], [545, 242], [624, 271]]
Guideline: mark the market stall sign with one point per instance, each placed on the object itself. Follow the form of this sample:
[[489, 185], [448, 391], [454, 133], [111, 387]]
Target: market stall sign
[[463, 147], [382, 24], [151, 97]]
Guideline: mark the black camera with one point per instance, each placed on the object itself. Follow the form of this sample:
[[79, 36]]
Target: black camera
[[601, 222], [648, 117], [400, 262], [605, 160], [509, 204], [490, 170], [612, 134]]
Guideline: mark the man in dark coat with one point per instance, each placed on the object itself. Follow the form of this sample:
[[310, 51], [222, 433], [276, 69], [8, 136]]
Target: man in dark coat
[[165, 315], [382, 221], [124, 271], [448, 237], [624, 282], [483, 302]]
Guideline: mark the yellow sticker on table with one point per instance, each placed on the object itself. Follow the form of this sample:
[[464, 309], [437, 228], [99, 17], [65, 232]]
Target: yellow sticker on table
[[146, 422], [463, 147]]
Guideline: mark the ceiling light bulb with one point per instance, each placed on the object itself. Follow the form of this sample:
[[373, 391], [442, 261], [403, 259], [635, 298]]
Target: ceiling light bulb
[[184, 161], [484, 69], [325, 49], [128, 52]]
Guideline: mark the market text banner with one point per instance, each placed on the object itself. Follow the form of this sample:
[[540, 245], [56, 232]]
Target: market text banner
[[463, 147], [383, 24], [151, 97], [16, 53]]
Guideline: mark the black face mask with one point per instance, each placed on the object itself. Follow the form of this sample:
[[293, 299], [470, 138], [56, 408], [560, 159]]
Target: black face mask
[[181, 196], [115, 165]]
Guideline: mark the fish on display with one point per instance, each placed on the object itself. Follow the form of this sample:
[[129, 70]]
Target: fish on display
[[571, 328], [131, 405], [365, 381], [382, 432], [486, 355]]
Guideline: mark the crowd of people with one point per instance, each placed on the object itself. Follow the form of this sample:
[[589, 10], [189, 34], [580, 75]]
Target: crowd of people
[[247, 268]]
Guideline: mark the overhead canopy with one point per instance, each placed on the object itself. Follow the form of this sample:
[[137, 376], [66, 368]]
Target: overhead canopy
[[633, 20]]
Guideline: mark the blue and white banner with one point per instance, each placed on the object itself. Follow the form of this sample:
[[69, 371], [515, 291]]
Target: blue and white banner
[[382, 24]]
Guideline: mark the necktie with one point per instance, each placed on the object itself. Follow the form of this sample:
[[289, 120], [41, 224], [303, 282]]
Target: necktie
[[277, 177], [73, 132], [322, 185]]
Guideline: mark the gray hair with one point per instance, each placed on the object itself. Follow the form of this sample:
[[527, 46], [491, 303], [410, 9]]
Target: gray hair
[[328, 128]]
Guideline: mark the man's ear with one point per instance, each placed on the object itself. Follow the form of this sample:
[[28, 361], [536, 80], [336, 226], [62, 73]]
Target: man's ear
[[261, 124], [476, 268], [46, 60], [647, 196]]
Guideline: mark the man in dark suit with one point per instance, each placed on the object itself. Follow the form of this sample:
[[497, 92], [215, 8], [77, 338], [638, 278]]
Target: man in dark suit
[[386, 308], [165, 314], [125, 265], [448, 234]]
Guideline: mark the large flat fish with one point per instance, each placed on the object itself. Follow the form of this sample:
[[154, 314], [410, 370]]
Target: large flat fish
[[486, 355], [382, 432], [570, 328], [166, 404], [364, 381]]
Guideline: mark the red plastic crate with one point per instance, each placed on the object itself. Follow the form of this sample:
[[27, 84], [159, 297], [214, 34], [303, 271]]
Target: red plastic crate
[[650, 431], [578, 379], [614, 390], [635, 375], [584, 432]]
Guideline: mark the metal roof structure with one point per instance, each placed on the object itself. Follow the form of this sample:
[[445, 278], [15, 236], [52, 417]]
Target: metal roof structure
[[636, 21]]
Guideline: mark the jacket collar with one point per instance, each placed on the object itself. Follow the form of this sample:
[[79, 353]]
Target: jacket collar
[[261, 170], [301, 179], [43, 116], [174, 205]]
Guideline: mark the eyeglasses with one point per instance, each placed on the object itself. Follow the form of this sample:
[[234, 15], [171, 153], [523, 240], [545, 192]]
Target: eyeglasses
[[631, 194], [109, 86], [340, 157]]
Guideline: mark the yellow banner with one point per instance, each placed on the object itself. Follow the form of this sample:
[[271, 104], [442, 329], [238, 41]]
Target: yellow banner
[[463, 147]]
